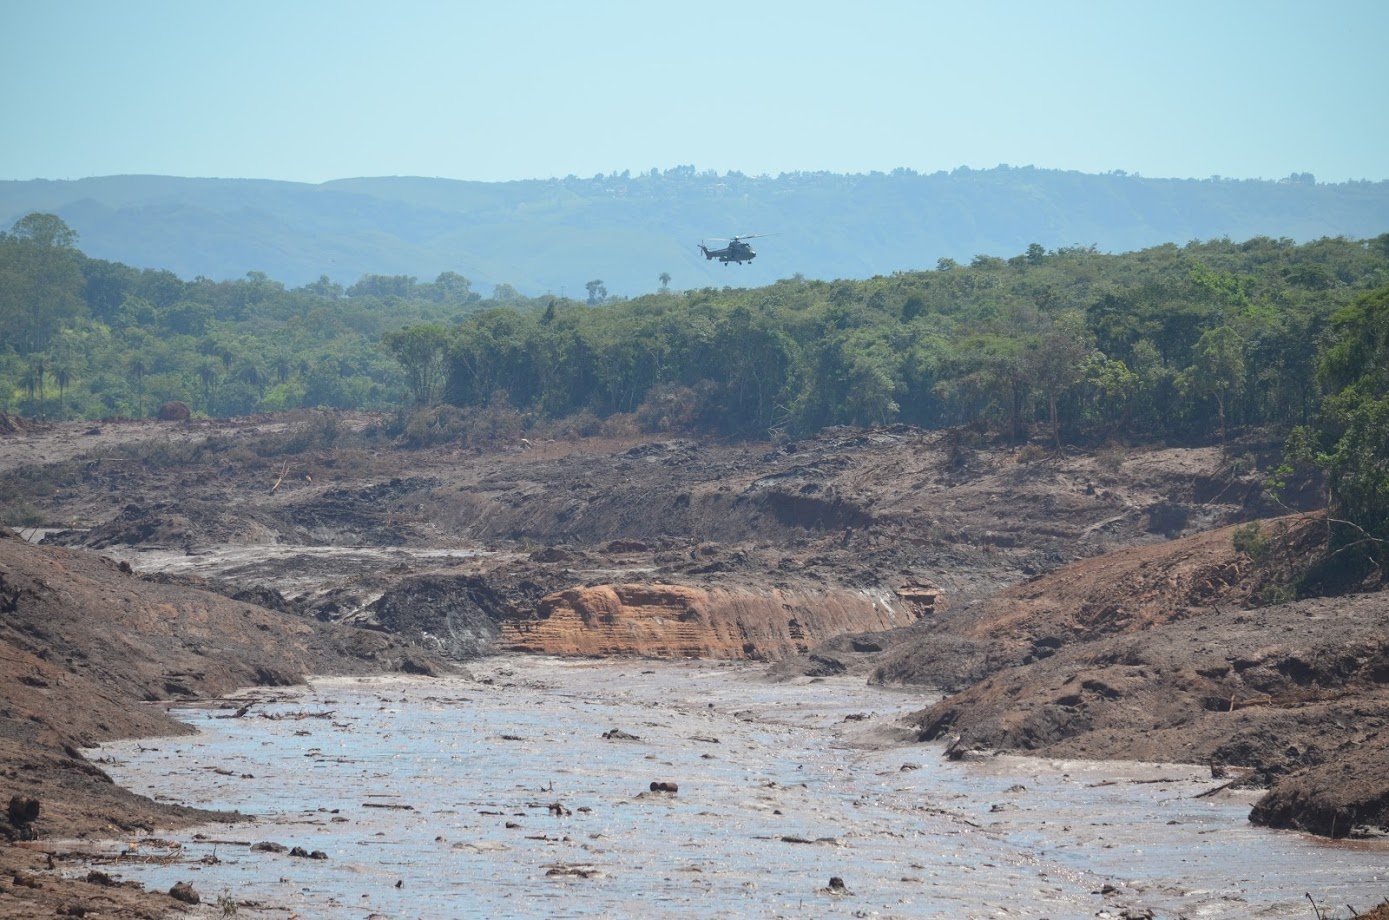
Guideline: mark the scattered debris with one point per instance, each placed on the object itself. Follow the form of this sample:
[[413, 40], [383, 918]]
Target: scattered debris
[[566, 870]]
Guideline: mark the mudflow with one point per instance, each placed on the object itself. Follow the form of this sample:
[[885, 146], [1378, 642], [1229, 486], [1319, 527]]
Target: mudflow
[[1089, 604]]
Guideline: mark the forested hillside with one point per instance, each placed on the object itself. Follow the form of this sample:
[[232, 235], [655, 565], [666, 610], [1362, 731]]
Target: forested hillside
[[1184, 342], [1072, 344], [83, 337], [555, 236]]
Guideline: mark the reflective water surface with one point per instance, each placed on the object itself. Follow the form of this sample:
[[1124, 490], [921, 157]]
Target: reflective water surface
[[499, 796]]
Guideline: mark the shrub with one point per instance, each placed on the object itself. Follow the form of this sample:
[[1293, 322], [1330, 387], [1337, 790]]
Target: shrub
[[433, 425], [1251, 541]]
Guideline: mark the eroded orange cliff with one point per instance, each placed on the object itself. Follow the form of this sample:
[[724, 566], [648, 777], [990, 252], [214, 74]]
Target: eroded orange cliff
[[679, 621]]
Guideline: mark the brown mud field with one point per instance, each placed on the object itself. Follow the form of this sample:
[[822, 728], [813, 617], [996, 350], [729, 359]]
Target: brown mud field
[[1082, 605], [576, 787]]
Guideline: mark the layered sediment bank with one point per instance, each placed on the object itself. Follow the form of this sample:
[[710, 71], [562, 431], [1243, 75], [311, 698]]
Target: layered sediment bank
[[678, 621]]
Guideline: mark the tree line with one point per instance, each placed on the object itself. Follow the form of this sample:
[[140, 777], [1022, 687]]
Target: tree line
[[1173, 342], [88, 338]]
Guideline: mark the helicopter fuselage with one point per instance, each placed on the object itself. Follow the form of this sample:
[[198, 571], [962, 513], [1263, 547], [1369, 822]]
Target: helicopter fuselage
[[733, 252]]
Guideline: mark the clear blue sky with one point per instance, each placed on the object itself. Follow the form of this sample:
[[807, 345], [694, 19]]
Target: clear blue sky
[[312, 91]]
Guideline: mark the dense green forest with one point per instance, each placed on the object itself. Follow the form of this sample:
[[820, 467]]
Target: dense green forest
[[88, 338], [1185, 342]]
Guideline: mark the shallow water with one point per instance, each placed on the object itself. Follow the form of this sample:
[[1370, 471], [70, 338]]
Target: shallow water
[[781, 787]]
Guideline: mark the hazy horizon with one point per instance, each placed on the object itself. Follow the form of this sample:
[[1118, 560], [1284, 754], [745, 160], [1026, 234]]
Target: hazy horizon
[[702, 171], [315, 92]]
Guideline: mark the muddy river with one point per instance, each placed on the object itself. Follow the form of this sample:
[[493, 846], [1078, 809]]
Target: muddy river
[[500, 796]]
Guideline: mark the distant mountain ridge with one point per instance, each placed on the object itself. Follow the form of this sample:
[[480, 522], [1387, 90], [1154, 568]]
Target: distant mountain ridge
[[555, 235]]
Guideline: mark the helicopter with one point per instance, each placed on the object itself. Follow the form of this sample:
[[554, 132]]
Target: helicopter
[[736, 251]]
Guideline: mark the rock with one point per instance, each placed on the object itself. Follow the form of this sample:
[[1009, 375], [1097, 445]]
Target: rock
[[185, 892], [618, 734], [659, 786], [415, 664], [823, 666], [269, 846]]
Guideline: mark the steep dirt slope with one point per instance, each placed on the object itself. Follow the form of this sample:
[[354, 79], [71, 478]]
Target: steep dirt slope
[[82, 645], [1126, 591]]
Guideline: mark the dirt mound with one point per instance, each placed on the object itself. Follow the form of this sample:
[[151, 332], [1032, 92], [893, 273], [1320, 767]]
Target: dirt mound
[[456, 615], [11, 424], [186, 525], [1346, 796], [1127, 591], [368, 514], [897, 495], [1276, 689]]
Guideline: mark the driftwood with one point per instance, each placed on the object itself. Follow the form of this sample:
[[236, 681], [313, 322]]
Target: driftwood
[[284, 471]]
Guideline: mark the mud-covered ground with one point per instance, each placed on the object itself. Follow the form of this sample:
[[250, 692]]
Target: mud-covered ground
[[524, 791], [1064, 597]]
